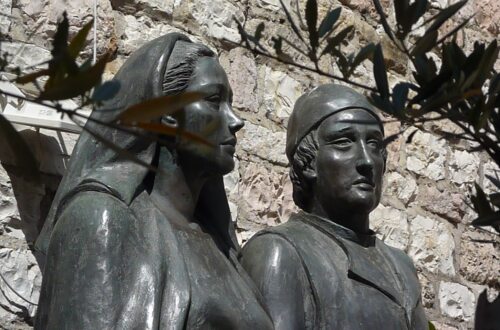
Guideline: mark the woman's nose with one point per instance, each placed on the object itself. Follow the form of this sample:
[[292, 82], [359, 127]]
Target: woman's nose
[[235, 123]]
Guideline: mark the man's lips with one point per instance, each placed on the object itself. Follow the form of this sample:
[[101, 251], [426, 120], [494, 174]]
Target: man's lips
[[364, 183]]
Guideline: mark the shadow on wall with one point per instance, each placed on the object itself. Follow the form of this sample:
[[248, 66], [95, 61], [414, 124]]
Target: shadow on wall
[[34, 198], [487, 313]]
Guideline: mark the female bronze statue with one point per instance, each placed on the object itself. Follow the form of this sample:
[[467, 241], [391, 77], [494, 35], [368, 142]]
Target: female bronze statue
[[129, 248]]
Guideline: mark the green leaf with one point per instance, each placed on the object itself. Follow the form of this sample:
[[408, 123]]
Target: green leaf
[[492, 219], [494, 180], [403, 14], [78, 42], [365, 53], [417, 9], [258, 32], [400, 96], [155, 108], [291, 21], [173, 131], [106, 91], [341, 62], [30, 77], [119, 151], [425, 69], [328, 22], [431, 326], [425, 43], [383, 20], [312, 21], [23, 157], [487, 63], [60, 42], [337, 39], [495, 199], [382, 104], [480, 202], [380, 72], [454, 30], [411, 136], [75, 85], [445, 14]]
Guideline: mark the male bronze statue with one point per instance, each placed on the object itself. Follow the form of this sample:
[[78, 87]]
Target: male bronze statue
[[324, 268]]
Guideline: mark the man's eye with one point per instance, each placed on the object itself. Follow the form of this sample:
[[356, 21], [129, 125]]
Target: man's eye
[[343, 142], [375, 143]]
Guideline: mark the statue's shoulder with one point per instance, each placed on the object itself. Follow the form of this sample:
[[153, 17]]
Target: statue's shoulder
[[400, 258], [92, 213], [265, 245], [285, 240]]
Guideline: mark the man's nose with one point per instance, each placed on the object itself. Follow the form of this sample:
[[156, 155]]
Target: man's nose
[[364, 161]]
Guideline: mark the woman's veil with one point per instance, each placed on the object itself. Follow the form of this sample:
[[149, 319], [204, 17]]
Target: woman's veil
[[95, 167]]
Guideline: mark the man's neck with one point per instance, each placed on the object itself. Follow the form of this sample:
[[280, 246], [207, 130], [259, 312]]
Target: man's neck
[[359, 223]]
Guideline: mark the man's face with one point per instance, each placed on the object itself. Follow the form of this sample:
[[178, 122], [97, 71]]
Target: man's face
[[349, 164]]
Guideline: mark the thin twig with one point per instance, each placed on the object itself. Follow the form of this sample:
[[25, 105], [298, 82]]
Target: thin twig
[[304, 67], [15, 292]]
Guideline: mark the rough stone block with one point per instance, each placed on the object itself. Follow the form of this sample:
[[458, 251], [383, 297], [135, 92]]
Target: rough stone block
[[432, 245], [456, 301], [391, 226]]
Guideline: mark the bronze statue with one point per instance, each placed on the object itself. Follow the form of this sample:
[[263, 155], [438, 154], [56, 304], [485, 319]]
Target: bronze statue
[[130, 248], [324, 268]]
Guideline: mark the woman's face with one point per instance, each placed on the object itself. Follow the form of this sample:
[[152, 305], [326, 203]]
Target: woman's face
[[212, 117]]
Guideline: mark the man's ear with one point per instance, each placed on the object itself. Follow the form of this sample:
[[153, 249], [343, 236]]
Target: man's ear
[[310, 172]]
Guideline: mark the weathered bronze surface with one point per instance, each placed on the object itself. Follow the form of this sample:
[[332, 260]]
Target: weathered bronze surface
[[128, 248], [324, 268]]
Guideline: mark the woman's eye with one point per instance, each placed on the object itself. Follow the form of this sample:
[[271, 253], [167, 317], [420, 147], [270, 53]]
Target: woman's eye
[[214, 99]]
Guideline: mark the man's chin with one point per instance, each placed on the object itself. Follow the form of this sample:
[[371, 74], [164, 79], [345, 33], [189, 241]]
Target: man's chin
[[363, 204]]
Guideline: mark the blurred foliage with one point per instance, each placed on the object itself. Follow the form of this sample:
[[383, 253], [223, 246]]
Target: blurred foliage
[[446, 82], [69, 76]]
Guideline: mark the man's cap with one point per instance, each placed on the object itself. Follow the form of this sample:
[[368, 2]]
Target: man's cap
[[318, 104]]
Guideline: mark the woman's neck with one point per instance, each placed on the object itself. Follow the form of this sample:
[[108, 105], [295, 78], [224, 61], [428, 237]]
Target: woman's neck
[[176, 188]]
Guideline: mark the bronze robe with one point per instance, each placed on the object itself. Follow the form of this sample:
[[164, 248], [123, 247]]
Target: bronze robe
[[315, 274], [117, 267]]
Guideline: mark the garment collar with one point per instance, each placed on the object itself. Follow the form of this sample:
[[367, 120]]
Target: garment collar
[[335, 229]]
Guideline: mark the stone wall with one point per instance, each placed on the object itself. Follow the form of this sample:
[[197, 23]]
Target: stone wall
[[427, 184]]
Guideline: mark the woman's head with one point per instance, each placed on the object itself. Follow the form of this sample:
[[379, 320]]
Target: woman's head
[[194, 68], [166, 65]]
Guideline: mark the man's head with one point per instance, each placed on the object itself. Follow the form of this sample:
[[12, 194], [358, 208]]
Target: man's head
[[335, 148]]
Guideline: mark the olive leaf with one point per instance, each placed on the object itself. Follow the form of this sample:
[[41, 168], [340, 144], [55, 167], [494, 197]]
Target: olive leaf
[[77, 84], [425, 43], [291, 21], [312, 20], [106, 91], [172, 131], [337, 39], [445, 14], [78, 42], [329, 21], [155, 108], [23, 157], [380, 72]]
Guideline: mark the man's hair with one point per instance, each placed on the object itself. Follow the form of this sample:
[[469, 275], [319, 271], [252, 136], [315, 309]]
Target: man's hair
[[303, 159]]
